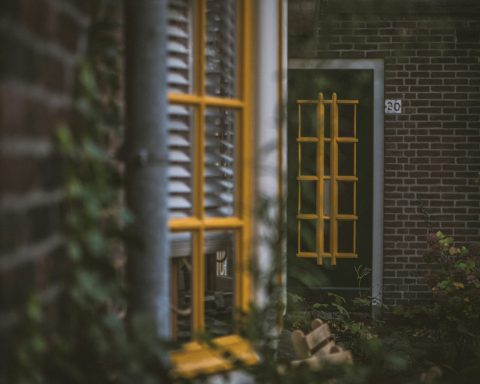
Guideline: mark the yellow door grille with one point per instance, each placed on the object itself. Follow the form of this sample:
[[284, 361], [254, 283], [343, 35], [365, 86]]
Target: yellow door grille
[[333, 228]]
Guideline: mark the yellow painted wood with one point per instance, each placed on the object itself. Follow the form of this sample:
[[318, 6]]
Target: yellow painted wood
[[223, 222], [312, 255], [198, 224], [197, 358], [355, 174], [346, 217], [189, 99], [346, 178], [210, 223], [307, 139], [320, 175], [299, 173], [307, 178], [333, 175], [307, 216], [347, 140], [245, 149], [346, 255], [301, 101]]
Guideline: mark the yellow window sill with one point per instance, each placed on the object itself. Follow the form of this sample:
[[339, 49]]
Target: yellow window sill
[[196, 358]]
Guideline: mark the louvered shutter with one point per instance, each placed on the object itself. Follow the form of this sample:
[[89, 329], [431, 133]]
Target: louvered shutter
[[220, 123], [180, 117]]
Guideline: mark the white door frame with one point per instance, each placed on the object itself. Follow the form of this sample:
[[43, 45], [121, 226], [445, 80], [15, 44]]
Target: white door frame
[[377, 66]]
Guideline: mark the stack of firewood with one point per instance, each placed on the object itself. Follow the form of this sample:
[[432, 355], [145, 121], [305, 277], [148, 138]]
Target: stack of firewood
[[318, 348]]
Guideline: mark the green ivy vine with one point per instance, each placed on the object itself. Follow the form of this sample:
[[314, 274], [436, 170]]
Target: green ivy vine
[[90, 341]]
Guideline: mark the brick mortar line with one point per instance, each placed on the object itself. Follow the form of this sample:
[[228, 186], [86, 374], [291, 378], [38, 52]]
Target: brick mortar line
[[70, 10], [37, 93], [47, 296], [30, 253], [32, 199], [25, 147], [39, 45]]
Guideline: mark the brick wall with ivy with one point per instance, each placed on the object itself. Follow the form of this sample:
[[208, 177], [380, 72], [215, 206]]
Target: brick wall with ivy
[[42, 42], [431, 55]]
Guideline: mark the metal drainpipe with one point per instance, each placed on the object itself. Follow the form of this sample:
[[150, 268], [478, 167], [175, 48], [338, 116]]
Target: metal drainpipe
[[147, 160]]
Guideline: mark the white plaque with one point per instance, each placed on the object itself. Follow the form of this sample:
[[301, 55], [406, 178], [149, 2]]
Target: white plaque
[[393, 106]]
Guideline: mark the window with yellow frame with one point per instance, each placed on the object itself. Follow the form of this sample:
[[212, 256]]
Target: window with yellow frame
[[209, 78]]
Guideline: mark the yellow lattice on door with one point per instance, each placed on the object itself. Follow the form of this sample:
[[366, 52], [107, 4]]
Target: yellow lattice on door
[[335, 226]]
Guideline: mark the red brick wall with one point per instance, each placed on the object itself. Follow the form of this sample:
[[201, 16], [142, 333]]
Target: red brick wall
[[432, 150], [41, 43]]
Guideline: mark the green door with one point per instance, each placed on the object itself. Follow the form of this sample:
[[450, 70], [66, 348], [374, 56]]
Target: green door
[[338, 274]]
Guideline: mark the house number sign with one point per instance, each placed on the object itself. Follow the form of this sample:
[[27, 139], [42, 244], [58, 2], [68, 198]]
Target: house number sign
[[393, 107]]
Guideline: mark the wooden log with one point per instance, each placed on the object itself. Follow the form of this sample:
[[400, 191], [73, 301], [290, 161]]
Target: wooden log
[[318, 336], [316, 323], [325, 350], [300, 345]]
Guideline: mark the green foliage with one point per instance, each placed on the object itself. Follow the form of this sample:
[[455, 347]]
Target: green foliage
[[455, 285], [89, 341]]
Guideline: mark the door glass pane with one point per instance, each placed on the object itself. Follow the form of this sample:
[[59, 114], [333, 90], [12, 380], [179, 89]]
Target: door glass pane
[[308, 235], [181, 285], [180, 46], [326, 197], [345, 197], [345, 159], [345, 236], [345, 120], [326, 159], [221, 48], [308, 195], [326, 235], [180, 153], [309, 159], [220, 158], [309, 120], [327, 120], [219, 282]]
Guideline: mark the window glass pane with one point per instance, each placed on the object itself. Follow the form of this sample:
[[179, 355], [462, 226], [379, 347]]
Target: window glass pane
[[308, 195], [181, 285], [220, 158], [219, 282], [309, 159], [308, 235], [345, 197], [180, 46], [180, 152], [221, 48], [345, 159], [345, 236], [345, 120]]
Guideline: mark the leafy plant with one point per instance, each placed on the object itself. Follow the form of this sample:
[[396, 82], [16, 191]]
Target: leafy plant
[[455, 284]]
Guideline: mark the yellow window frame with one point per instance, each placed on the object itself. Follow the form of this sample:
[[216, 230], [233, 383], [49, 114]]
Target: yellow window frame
[[319, 216], [196, 357]]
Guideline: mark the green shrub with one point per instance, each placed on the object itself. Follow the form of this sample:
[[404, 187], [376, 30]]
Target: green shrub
[[455, 310]]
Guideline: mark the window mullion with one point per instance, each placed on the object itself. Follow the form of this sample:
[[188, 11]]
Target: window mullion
[[199, 173], [245, 41]]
